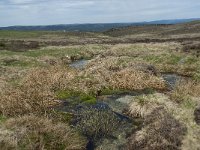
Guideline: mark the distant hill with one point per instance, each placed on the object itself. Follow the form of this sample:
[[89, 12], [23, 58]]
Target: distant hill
[[92, 27], [157, 30]]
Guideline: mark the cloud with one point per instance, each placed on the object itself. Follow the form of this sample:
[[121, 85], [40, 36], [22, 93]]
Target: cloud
[[34, 12]]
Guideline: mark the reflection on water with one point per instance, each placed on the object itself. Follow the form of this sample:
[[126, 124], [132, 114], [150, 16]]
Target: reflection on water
[[171, 79], [79, 64]]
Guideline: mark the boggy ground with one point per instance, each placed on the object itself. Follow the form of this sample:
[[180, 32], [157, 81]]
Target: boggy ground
[[118, 100]]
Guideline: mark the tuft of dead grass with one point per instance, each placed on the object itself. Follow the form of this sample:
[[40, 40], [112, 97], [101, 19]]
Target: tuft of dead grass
[[136, 80], [143, 106], [161, 131], [123, 73], [31, 132], [184, 89], [35, 94]]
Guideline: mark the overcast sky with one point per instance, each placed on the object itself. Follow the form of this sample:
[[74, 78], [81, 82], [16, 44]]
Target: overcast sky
[[45, 12]]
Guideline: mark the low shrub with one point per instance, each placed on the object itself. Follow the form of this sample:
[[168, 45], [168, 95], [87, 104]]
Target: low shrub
[[96, 123]]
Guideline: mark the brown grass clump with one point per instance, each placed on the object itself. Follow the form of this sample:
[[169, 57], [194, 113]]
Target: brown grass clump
[[185, 88], [3, 84], [136, 80], [142, 106], [96, 123], [161, 131], [123, 73], [36, 92], [31, 132]]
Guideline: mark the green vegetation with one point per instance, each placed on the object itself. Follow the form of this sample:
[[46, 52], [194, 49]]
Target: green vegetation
[[109, 91], [76, 97], [2, 118], [97, 123]]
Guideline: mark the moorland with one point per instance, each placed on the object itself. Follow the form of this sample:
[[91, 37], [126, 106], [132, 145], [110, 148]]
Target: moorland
[[127, 88]]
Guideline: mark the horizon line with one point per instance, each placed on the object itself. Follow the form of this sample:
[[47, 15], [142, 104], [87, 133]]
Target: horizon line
[[193, 19]]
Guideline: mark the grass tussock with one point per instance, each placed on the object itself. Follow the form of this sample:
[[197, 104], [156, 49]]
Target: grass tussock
[[184, 89], [161, 131], [35, 94], [97, 124], [143, 106], [41, 88], [136, 80], [119, 73], [31, 132]]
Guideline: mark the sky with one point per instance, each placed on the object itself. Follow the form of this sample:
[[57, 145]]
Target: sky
[[47, 12]]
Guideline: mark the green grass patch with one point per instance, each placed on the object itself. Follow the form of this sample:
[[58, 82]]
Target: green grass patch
[[153, 58], [2, 118], [76, 97], [190, 60], [188, 103], [170, 59], [142, 100], [196, 77]]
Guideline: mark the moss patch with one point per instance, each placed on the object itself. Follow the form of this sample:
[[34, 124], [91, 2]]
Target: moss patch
[[76, 97], [2, 118]]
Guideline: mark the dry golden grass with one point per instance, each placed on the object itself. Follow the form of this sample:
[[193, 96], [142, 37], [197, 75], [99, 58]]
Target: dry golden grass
[[183, 112], [142, 49], [3, 84], [185, 88], [142, 106], [119, 73], [31, 132], [136, 80], [160, 131], [36, 92]]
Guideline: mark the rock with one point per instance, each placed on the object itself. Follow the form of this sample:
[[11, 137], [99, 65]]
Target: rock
[[197, 115]]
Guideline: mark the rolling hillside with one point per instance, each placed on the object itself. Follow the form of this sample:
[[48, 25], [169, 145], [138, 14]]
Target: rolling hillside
[[157, 30], [98, 27]]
